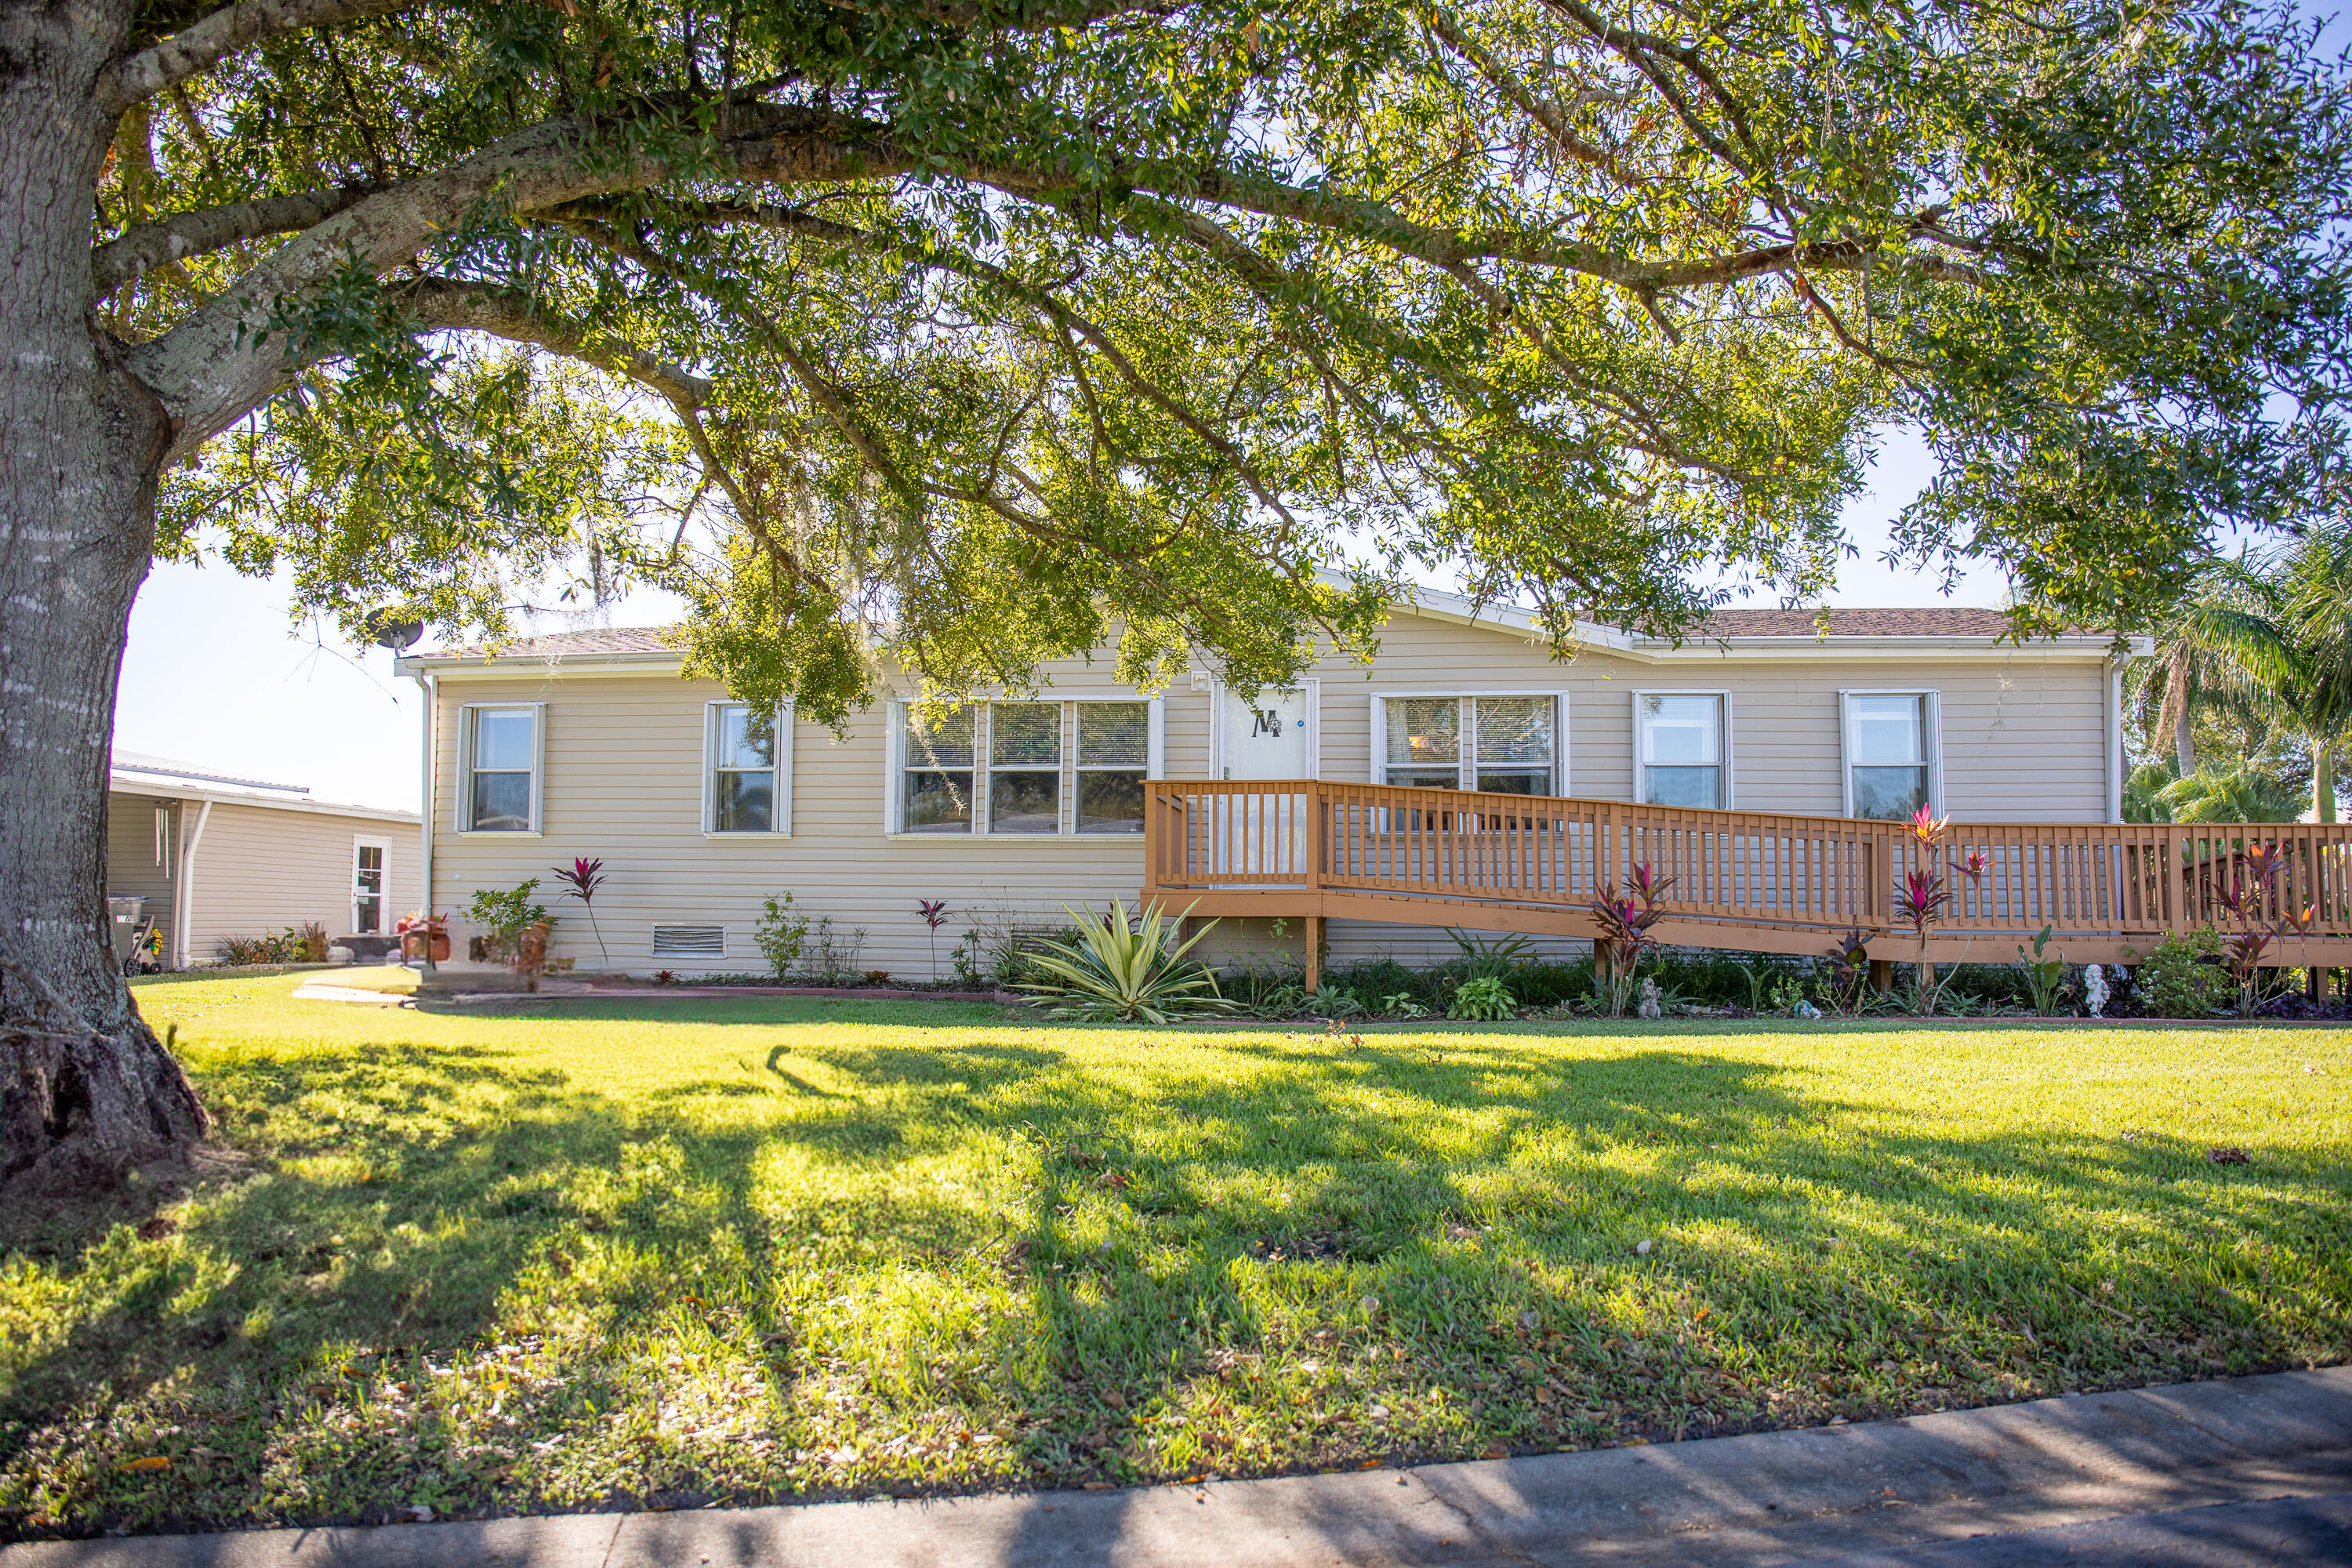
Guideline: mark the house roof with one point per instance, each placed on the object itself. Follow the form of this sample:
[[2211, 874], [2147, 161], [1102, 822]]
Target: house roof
[[1941, 621], [560, 645], [1957, 629], [166, 767], [141, 774]]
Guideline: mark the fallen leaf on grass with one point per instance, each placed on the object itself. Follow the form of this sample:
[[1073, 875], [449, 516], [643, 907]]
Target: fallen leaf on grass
[[152, 1462]]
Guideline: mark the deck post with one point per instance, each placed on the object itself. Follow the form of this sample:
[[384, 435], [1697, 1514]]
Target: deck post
[[1882, 975], [1313, 953]]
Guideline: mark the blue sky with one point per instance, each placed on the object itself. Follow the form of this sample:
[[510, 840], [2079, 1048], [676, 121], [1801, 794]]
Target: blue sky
[[216, 671]]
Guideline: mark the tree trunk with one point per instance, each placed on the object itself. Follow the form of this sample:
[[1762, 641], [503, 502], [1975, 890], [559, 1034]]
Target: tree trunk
[[2184, 745], [86, 1089], [2323, 781]]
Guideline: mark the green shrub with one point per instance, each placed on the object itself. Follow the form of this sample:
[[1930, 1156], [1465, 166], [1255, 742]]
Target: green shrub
[[2045, 975], [833, 956], [780, 934], [1722, 979], [506, 911], [2181, 978], [239, 951], [1485, 999]]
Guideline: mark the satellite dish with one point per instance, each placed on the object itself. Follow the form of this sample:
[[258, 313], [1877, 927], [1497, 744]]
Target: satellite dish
[[389, 628]]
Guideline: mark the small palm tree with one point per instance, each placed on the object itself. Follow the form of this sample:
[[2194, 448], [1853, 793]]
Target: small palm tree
[[2218, 794], [2168, 690], [2278, 634]]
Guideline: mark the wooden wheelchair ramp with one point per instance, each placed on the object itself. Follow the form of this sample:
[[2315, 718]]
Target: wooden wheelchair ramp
[[1745, 881]]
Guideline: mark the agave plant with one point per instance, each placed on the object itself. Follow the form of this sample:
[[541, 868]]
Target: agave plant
[[1125, 971]]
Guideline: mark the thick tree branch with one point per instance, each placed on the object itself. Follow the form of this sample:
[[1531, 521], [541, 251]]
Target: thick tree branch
[[140, 250], [210, 370], [197, 48], [458, 304], [1445, 249]]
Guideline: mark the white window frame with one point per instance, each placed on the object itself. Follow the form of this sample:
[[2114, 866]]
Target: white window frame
[[988, 767], [463, 794], [781, 810], [1076, 767], [894, 768], [384, 920], [1931, 739], [1722, 742], [1311, 688], [1466, 765]]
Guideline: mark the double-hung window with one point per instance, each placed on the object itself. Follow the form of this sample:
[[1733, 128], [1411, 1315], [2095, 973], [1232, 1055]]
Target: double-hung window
[[1681, 748], [1032, 769], [1890, 739], [1114, 753], [1504, 745], [1024, 767], [502, 751], [935, 783], [749, 788]]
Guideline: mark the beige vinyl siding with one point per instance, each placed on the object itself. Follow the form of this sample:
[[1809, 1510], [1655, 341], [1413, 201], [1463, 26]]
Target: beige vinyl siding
[[259, 869], [2024, 737], [624, 784], [2024, 734]]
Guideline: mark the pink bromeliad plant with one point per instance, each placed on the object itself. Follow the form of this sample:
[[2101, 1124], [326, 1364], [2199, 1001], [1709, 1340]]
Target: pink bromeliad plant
[[1925, 894], [1625, 920], [2248, 898], [582, 879], [934, 912]]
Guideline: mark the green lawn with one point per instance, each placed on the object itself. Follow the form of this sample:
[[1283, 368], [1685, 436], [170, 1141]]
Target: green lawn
[[554, 1254]]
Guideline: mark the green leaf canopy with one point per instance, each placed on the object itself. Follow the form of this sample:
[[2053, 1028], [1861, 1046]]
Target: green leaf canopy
[[970, 334]]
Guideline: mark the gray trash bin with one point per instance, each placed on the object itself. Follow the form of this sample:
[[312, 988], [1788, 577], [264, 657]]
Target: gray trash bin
[[126, 917]]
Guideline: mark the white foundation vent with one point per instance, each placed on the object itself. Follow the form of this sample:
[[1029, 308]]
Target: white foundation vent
[[690, 941]]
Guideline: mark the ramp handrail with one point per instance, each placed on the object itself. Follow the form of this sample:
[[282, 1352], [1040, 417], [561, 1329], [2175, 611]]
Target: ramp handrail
[[1738, 869]]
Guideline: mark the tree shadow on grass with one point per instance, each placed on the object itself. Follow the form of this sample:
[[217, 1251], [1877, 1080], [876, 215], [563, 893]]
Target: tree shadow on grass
[[1269, 1257]]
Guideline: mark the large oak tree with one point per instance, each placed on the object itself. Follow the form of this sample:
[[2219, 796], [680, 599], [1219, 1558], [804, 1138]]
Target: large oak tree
[[971, 329]]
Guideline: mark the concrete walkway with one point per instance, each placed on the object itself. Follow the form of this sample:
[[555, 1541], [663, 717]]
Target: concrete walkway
[[2228, 1474]]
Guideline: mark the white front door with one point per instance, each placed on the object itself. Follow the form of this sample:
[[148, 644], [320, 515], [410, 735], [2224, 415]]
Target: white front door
[[1270, 738], [1267, 737]]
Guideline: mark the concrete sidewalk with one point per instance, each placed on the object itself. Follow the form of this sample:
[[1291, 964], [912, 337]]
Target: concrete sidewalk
[[2228, 1474]]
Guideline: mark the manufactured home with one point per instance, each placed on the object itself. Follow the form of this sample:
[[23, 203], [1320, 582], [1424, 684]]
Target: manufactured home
[[196, 854], [589, 744]]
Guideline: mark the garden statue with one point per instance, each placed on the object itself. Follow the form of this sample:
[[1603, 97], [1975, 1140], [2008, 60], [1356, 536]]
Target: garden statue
[[530, 953], [2094, 990], [1649, 1006]]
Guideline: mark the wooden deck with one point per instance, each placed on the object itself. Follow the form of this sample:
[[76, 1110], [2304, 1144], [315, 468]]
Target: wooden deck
[[1745, 882]]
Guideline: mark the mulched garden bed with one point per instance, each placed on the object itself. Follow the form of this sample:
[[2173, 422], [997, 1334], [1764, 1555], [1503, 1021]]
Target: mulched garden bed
[[635, 993]]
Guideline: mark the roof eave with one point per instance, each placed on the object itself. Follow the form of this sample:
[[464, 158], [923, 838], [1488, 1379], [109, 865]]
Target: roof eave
[[511, 664], [149, 786], [1939, 646]]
